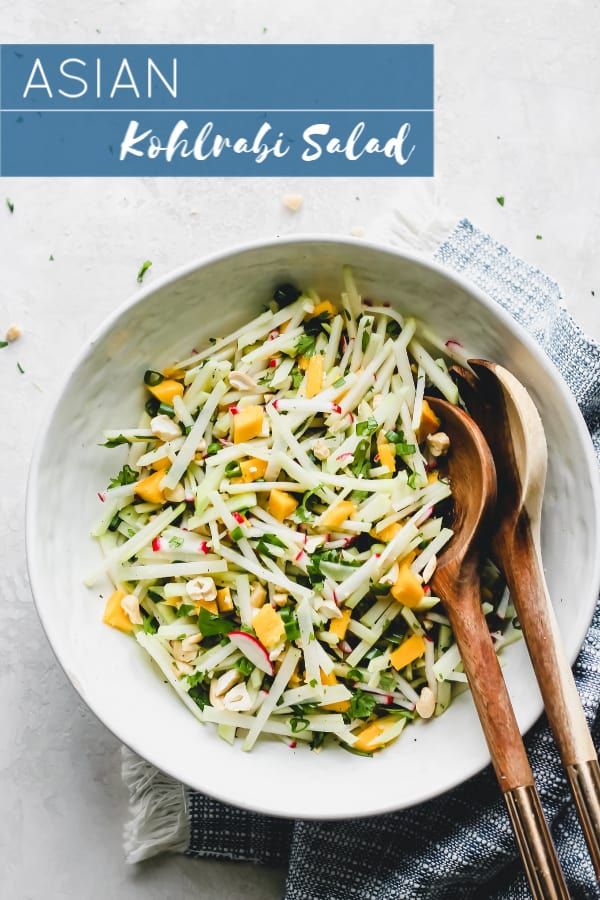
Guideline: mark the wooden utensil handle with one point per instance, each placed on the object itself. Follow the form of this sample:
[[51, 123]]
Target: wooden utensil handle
[[504, 740], [519, 559], [488, 688]]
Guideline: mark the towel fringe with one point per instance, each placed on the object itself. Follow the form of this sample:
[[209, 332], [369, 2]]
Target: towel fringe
[[158, 816], [418, 220]]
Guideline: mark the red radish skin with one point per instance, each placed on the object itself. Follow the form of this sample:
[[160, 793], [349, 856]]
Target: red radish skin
[[252, 649]]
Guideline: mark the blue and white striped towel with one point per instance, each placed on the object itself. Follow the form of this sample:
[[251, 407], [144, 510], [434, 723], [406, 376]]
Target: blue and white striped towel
[[459, 846]]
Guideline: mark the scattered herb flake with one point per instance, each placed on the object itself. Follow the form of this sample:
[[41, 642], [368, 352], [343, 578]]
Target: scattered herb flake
[[368, 427], [10, 205], [413, 481], [150, 625], [500, 200], [143, 269], [538, 237], [3, 344], [20, 368], [115, 442]]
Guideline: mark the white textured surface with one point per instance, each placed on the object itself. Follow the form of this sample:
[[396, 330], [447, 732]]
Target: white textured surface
[[517, 95]]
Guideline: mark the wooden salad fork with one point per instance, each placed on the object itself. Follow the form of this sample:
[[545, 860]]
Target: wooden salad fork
[[514, 431], [456, 581]]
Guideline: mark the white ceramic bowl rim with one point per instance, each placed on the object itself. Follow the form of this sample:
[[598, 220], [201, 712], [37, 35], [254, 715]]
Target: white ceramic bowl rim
[[497, 311]]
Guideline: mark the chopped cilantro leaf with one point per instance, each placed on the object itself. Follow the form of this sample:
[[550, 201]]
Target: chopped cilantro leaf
[[209, 624], [305, 346], [361, 705], [127, 475], [304, 512]]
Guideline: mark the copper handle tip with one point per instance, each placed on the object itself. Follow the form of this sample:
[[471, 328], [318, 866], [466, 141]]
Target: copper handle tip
[[584, 779], [545, 877]]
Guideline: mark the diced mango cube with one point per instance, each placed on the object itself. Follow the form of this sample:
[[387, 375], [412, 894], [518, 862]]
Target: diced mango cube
[[247, 423], [314, 375], [209, 605], [387, 457], [388, 533], [115, 615], [328, 678], [409, 650], [376, 734], [281, 504], [149, 488], [338, 514], [295, 680], [253, 469], [303, 363], [224, 601], [269, 627], [341, 706], [325, 306], [407, 590], [339, 627], [429, 422], [162, 463], [172, 372], [167, 390]]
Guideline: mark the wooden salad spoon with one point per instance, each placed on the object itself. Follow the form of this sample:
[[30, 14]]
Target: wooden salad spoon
[[456, 581], [514, 431]]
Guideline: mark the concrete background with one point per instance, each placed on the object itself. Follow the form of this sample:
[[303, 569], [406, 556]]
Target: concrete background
[[517, 100]]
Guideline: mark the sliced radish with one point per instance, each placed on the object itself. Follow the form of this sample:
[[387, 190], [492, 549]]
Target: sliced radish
[[252, 649]]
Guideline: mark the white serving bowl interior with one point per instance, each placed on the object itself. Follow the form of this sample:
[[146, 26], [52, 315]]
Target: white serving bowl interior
[[113, 675]]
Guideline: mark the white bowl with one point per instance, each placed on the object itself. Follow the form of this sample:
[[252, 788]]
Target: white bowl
[[103, 390]]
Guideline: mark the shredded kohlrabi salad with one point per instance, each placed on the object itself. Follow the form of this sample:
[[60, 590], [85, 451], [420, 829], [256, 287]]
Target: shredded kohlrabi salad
[[273, 533]]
